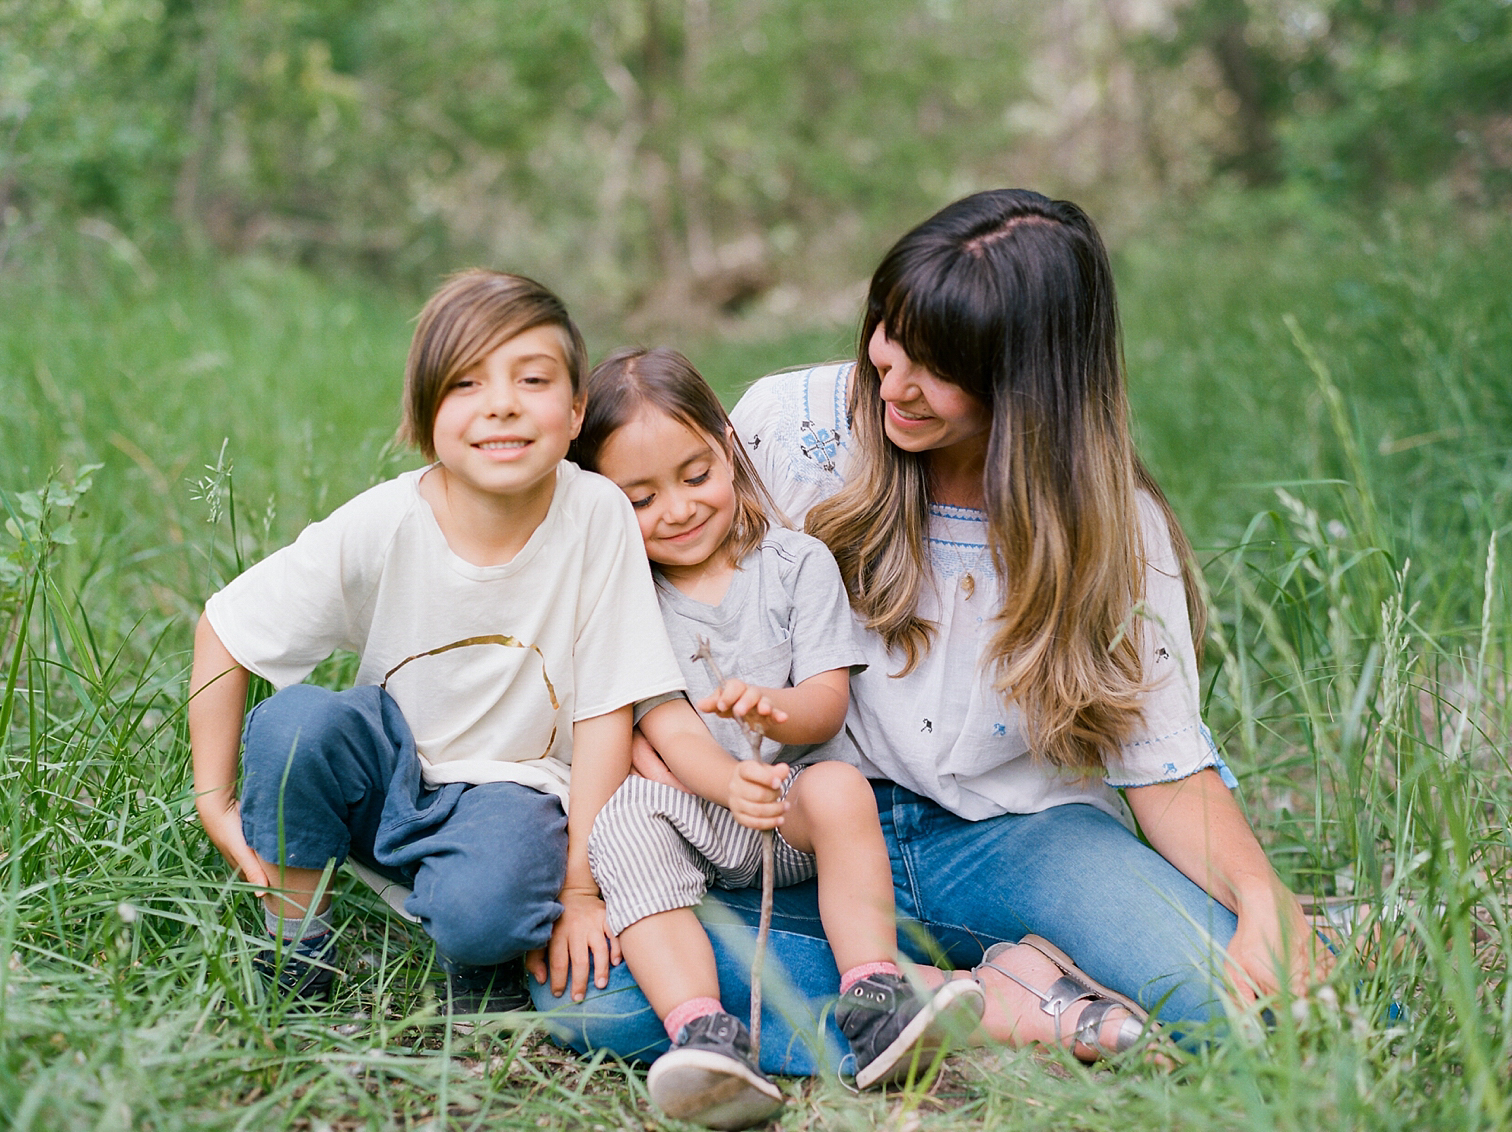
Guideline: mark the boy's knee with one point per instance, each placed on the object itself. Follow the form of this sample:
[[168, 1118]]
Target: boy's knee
[[303, 725], [478, 935], [291, 724]]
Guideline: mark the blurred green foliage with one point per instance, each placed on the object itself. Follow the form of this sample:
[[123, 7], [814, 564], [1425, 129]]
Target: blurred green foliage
[[1357, 96], [686, 156], [627, 142]]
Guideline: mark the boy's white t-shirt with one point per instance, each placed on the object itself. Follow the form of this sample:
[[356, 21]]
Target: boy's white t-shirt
[[574, 619]]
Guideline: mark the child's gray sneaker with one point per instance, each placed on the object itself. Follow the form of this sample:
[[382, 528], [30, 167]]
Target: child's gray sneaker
[[708, 1077], [300, 969], [487, 990], [895, 1030]]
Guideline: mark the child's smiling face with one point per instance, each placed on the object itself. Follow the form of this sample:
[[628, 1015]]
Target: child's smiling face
[[679, 482], [505, 424]]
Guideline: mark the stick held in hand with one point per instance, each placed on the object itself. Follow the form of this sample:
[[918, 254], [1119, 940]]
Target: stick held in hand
[[768, 863]]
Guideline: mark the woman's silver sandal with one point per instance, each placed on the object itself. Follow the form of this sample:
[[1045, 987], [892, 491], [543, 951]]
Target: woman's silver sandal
[[1072, 987]]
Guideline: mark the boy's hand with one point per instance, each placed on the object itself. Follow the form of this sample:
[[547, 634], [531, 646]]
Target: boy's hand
[[756, 794], [224, 826], [578, 932], [736, 699]]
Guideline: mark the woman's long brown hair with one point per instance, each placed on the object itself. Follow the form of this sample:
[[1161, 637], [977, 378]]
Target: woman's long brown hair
[[1009, 295]]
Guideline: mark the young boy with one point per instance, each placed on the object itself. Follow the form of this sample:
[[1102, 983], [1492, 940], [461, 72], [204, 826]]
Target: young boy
[[503, 612]]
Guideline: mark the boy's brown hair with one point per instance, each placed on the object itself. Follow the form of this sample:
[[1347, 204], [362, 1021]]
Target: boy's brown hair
[[474, 313]]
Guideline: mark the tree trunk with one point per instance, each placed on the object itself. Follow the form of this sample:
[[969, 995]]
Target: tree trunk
[[1258, 159], [186, 189]]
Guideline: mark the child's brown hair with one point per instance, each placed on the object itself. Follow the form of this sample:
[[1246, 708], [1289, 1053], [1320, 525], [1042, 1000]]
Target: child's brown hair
[[663, 379], [474, 313]]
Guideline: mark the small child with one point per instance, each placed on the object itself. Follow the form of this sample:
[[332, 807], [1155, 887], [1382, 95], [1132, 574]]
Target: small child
[[503, 613], [770, 602]]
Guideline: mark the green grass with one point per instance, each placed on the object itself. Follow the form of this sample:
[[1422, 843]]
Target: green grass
[[1323, 401]]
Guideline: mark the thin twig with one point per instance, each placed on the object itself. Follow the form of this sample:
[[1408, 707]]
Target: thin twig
[[753, 734]]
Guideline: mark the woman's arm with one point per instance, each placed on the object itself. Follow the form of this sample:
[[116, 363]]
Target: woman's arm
[[217, 703], [1195, 824], [810, 712], [600, 762]]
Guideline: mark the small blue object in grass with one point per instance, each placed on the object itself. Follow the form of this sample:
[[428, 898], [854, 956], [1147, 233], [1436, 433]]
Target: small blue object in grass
[[1395, 1012]]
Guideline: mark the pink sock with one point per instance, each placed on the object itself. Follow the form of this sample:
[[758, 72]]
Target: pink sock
[[850, 978], [680, 1016]]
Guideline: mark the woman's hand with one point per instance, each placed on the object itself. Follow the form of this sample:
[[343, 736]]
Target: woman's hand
[[580, 931], [1195, 824], [1274, 943], [648, 763], [737, 700], [755, 796]]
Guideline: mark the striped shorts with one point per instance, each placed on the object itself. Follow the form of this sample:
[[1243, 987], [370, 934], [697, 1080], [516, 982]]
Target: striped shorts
[[655, 848]]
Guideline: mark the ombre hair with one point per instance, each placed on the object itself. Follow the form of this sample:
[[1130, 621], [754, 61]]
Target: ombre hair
[[628, 381], [1009, 295], [472, 314]]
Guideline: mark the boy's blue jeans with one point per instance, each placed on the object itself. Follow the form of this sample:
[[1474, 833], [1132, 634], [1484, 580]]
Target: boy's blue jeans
[[331, 774], [1071, 874]]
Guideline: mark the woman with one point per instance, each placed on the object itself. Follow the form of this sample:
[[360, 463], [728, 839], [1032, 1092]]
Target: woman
[[983, 435]]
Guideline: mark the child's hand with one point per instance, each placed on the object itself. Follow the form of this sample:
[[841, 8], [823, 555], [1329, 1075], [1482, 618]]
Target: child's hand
[[756, 794], [224, 826], [579, 931], [736, 699]]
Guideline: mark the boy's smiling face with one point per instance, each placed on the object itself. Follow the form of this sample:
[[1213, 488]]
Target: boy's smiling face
[[505, 424]]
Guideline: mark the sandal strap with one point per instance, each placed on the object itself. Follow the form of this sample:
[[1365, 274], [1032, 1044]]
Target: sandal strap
[[1064, 993], [1089, 1025]]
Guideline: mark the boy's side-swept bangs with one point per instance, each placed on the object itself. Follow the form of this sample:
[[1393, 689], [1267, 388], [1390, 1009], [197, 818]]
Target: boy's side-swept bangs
[[472, 314]]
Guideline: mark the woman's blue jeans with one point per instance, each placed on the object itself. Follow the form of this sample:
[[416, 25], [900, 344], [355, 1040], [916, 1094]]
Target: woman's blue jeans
[[1072, 874]]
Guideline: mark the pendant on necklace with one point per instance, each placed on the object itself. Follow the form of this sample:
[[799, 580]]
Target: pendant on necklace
[[968, 585]]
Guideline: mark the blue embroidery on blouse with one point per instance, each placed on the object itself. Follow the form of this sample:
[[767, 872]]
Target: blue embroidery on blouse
[[842, 382], [951, 559], [999, 729], [1214, 760], [819, 444], [951, 511]]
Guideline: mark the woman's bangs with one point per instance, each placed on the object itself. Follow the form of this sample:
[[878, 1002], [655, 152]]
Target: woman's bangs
[[945, 325], [910, 314]]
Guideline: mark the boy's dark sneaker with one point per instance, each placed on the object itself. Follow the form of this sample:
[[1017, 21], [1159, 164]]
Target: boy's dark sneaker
[[895, 1030], [487, 990], [301, 969], [708, 1077]]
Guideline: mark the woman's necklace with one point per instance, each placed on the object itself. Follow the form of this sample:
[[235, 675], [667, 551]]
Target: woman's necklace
[[959, 494], [966, 567], [968, 579]]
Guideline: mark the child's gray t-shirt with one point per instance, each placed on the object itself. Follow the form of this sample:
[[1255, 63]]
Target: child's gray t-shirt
[[784, 618]]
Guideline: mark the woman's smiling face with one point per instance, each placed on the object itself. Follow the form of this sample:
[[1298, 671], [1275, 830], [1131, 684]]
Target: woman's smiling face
[[923, 413]]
